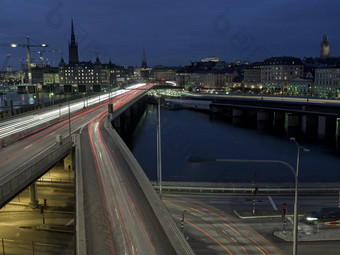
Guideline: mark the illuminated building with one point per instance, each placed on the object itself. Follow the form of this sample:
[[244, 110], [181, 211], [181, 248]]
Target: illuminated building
[[276, 73], [324, 48]]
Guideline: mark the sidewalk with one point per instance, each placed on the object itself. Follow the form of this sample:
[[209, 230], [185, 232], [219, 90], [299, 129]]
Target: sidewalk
[[306, 232], [322, 235]]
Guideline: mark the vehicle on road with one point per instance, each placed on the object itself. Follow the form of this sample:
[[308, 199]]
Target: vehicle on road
[[325, 214]]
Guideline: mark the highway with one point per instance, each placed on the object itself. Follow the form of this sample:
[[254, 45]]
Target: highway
[[114, 200], [118, 217], [31, 145], [19, 124]]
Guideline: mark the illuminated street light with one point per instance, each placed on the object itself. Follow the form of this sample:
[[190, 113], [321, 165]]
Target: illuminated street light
[[28, 46], [199, 159], [295, 227]]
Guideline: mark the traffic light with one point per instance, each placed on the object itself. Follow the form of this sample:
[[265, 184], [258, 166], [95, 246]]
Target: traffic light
[[45, 202], [284, 208]]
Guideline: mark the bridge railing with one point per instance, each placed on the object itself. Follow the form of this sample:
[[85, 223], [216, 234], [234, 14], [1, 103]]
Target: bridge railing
[[24, 175], [162, 214]]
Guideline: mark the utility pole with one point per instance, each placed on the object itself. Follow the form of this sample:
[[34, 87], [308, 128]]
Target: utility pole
[[159, 148]]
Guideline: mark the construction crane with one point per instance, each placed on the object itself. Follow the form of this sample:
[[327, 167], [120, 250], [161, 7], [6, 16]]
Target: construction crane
[[40, 52], [28, 46]]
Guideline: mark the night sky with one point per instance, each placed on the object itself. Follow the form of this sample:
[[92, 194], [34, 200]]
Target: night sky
[[172, 32]]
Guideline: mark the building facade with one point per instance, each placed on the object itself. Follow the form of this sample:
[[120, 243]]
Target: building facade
[[327, 82], [301, 87], [276, 73]]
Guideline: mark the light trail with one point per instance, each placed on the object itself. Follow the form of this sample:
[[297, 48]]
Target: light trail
[[21, 124]]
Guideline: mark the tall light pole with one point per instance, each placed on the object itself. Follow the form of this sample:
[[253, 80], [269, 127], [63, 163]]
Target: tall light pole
[[69, 123], [295, 224], [159, 148], [198, 159]]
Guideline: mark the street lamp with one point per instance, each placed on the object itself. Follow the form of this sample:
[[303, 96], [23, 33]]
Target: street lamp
[[295, 227], [199, 159], [159, 148]]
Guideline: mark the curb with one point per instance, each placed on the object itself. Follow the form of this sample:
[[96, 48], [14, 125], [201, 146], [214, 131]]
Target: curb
[[305, 238]]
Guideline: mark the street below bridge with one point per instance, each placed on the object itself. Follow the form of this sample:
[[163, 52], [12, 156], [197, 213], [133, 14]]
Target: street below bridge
[[212, 226]]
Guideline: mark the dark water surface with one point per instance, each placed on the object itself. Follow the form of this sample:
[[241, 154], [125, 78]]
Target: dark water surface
[[26, 99], [194, 133]]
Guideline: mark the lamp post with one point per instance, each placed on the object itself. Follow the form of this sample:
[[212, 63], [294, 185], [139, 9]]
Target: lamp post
[[295, 224], [199, 159], [69, 123], [159, 148]]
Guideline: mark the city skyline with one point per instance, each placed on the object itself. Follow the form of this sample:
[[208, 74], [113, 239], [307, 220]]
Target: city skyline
[[171, 33]]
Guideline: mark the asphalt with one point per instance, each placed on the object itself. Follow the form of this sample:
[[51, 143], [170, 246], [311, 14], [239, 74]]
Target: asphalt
[[305, 233]]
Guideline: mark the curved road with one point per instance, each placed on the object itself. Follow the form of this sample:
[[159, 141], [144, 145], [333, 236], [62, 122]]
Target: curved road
[[118, 204]]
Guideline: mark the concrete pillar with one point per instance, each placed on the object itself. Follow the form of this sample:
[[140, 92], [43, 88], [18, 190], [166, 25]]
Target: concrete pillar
[[34, 201], [128, 118], [237, 116], [292, 120], [262, 120], [304, 124], [292, 124], [321, 127], [237, 113], [262, 116], [215, 109], [279, 119], [68, 163]]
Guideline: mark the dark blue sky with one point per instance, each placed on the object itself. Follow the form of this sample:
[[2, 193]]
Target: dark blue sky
[[172, 32]]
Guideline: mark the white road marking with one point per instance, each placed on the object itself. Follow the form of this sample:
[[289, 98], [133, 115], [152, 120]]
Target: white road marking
[[272, 202], [70, 222], [291, 221], [28, 146]]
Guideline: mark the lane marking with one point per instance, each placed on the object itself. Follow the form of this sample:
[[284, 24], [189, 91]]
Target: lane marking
[[272, 202], [70, 222], [292, 222], [28, 146]]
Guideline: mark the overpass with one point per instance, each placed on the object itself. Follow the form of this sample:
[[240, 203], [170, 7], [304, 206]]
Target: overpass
[[314, 118], [135, 206]]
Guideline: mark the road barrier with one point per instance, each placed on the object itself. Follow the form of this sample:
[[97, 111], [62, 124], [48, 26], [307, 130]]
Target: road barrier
[[317, 189], [24, 175], [173, 233]]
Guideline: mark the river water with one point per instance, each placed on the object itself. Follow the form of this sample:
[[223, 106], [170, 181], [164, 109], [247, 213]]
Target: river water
[[19, 100], [188, 132]]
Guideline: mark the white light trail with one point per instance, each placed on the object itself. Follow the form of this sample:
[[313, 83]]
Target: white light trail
[[20, 124]]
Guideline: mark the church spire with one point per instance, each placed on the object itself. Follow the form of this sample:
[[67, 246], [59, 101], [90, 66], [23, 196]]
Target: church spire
[[73, 48], [73, 38], [144, 64]]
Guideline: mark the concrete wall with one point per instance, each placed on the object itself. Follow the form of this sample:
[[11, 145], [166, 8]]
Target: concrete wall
[[30, 171], [175, 236]]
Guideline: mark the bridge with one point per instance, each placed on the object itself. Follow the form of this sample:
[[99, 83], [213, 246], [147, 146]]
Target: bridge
[[114, 197], [315, 118], [115, 200]]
